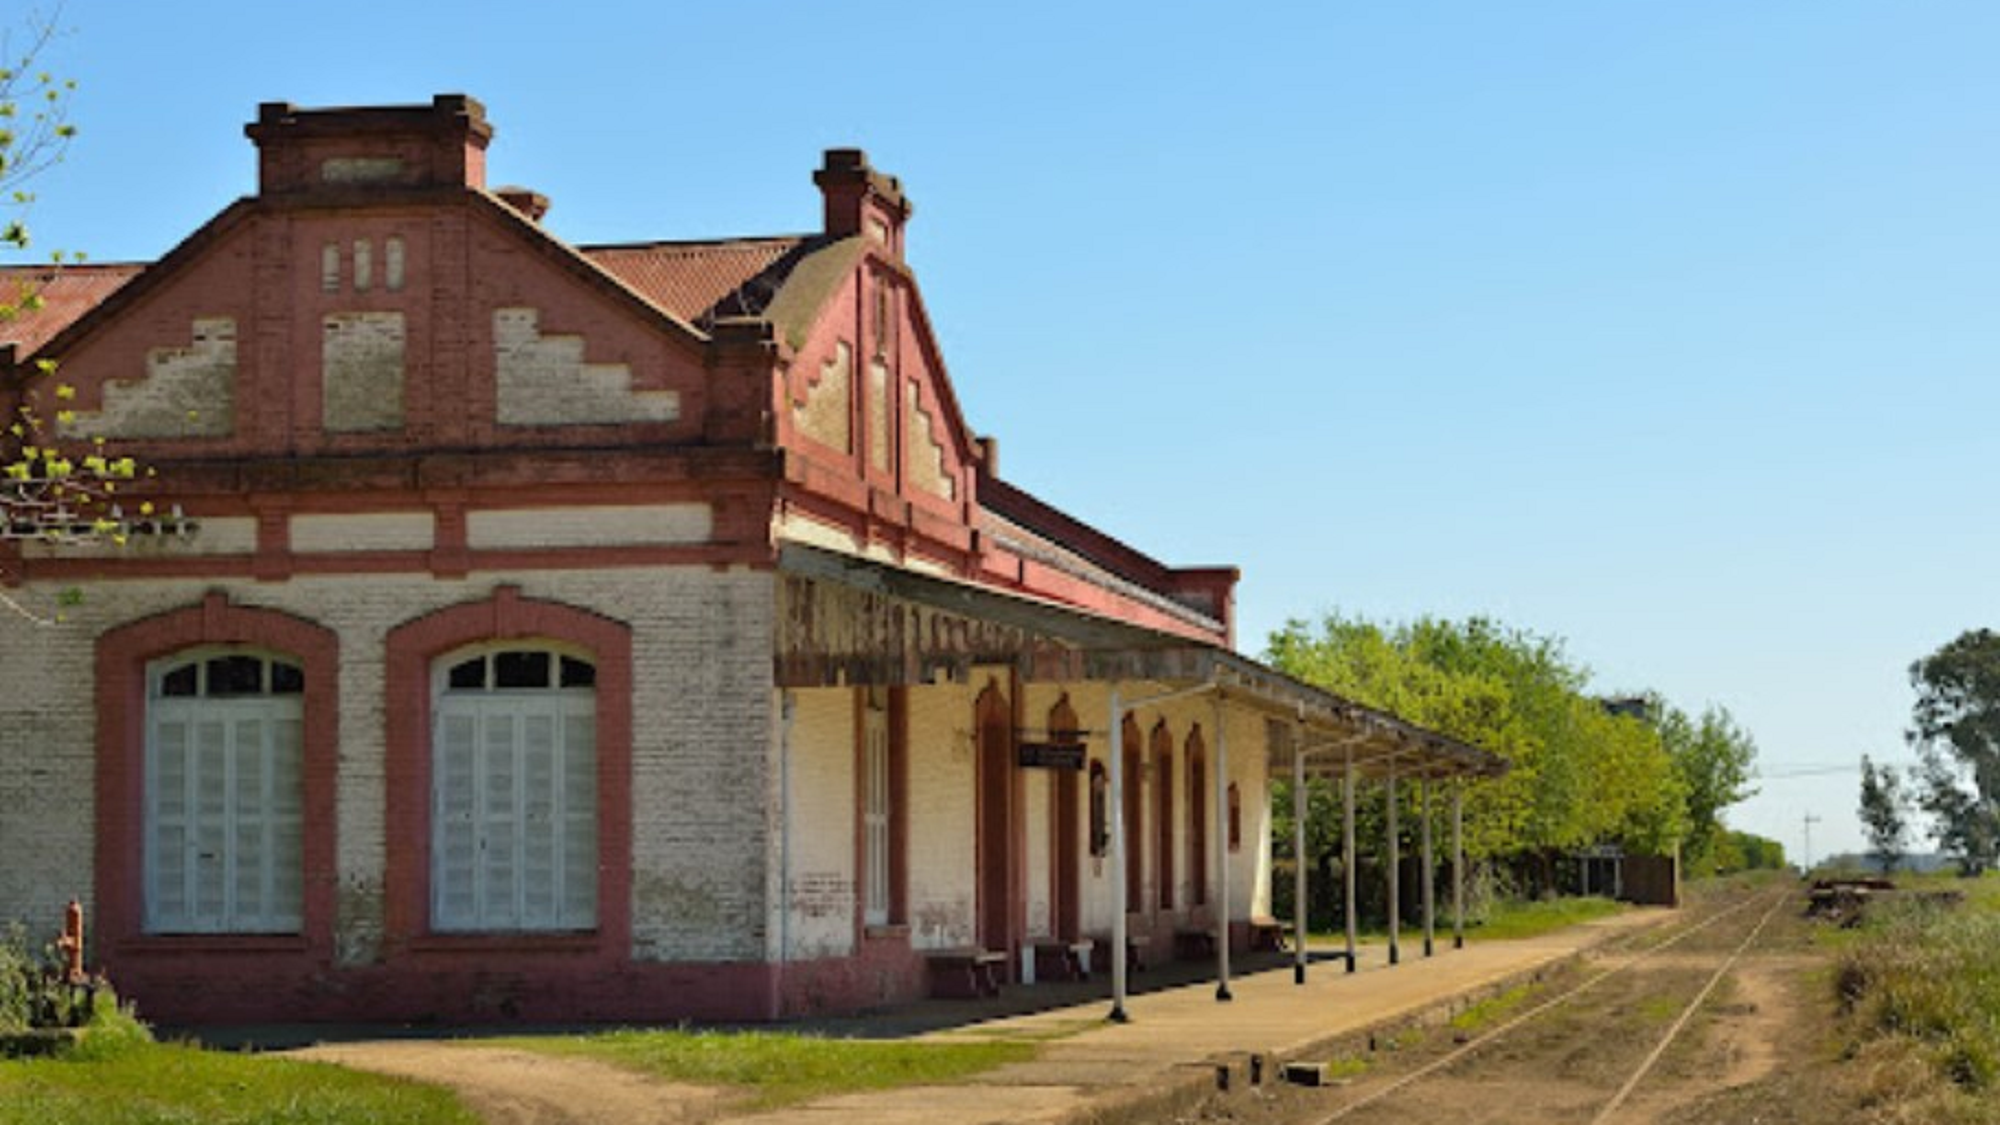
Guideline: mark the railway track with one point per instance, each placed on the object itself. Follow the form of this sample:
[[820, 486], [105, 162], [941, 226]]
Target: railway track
[[1711, 947]]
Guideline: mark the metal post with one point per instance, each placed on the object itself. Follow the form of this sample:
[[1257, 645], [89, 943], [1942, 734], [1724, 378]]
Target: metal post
[[1218, 831], [1458, 865], [1430, 869], [1118, 1014], [1347, 864], [1299, 853], [1395, 875]]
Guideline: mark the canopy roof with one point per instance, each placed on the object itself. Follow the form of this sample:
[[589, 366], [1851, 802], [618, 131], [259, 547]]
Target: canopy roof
[[852, 620]]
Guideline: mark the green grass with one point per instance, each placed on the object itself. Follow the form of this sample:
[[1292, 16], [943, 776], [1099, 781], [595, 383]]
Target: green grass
[[1345, 1067], [119, 1076], [1506, 919], [779, 1069], [1512, 919], [1492, 1009]]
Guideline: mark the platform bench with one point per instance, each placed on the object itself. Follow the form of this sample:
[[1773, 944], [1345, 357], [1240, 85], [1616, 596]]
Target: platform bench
[[966, 974], [1100, 955], [1063, 960], [1194, 945], [1268, 935]]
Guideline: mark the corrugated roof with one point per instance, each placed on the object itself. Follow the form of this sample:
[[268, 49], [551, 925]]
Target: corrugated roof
[[698, 281], [66, 293]]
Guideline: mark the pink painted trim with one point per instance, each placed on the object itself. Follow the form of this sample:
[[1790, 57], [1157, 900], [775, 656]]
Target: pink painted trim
[[411, 647]]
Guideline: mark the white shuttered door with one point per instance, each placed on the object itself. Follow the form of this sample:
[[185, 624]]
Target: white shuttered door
[[224, 828], [514, 814]]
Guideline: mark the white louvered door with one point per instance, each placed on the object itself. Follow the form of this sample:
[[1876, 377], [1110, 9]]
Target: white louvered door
[[514, 812], [224, 816]]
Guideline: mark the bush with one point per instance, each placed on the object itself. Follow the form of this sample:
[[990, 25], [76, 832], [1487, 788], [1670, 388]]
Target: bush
[[32, 991], [1923, 983], [111, 1032]]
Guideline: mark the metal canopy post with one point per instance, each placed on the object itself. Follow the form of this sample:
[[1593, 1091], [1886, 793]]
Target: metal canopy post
[[1458, 865], [1395, 875], [1299, 852], [1430, 869], [1219, 833], [1347, 864], [1118, 891]]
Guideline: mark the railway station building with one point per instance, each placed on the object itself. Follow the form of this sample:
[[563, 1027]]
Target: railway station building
[[625, 632]]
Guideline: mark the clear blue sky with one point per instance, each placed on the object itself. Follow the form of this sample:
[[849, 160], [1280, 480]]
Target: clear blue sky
[[1665, 328]]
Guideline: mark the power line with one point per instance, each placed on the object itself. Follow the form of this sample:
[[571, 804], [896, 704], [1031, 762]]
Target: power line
[[1806, 771]]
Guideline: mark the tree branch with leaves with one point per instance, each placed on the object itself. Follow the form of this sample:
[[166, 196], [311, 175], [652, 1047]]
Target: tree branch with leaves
[[56, 489]]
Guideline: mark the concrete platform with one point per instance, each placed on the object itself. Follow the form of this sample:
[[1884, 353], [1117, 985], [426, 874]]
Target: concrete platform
[[1093, 1070]]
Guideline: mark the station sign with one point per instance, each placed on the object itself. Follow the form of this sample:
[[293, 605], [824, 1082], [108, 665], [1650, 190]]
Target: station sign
[[1049, 755]]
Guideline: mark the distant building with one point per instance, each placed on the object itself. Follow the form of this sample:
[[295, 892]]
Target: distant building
[[1645, 708]]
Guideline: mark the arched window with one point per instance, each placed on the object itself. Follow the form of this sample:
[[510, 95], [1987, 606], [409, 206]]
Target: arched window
[[514, 790], [1235, 818], [224, 802]]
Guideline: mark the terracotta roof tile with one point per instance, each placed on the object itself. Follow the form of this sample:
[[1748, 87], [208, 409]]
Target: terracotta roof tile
[[698, 281], [66, 293]]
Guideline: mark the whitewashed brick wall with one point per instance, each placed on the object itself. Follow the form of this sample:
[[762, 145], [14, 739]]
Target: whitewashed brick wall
[[702, 752], [821, 879], [1038, 791], [942, 814]]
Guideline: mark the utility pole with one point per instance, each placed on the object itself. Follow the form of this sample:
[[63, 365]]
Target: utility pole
[[1806, 866]]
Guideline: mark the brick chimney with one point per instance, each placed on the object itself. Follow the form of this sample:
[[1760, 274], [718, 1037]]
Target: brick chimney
[[529, 202], [399, 146], [860, 200]]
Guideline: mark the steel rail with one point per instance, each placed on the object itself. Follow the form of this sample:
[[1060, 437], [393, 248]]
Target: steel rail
[[1552, 1003], [1632, 1083]]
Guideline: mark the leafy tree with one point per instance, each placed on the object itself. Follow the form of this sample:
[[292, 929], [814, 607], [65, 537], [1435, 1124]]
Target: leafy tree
[[1884, 813], [1745, 851], [1712, 757], [1955, 727], [1578, 775], [35, 132], [54, 488]]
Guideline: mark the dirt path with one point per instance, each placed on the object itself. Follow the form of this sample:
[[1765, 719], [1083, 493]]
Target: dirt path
[[521, 1088]]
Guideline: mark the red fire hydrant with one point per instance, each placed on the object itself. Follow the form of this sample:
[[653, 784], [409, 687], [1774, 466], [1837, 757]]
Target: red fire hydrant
[[70, 944]]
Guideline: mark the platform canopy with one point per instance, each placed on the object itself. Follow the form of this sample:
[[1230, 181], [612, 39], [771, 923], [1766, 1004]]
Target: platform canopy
[[848, 620]]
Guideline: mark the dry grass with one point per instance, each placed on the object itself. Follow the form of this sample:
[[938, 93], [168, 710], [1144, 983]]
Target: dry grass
[[1919, 988]]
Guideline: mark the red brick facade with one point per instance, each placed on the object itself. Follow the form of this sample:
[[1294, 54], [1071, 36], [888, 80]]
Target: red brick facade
[[375, 373]]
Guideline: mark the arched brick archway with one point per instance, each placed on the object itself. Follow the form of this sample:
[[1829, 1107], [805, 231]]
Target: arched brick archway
[[1067, 862], [1197, 805], [181, 969], [411, 647]]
